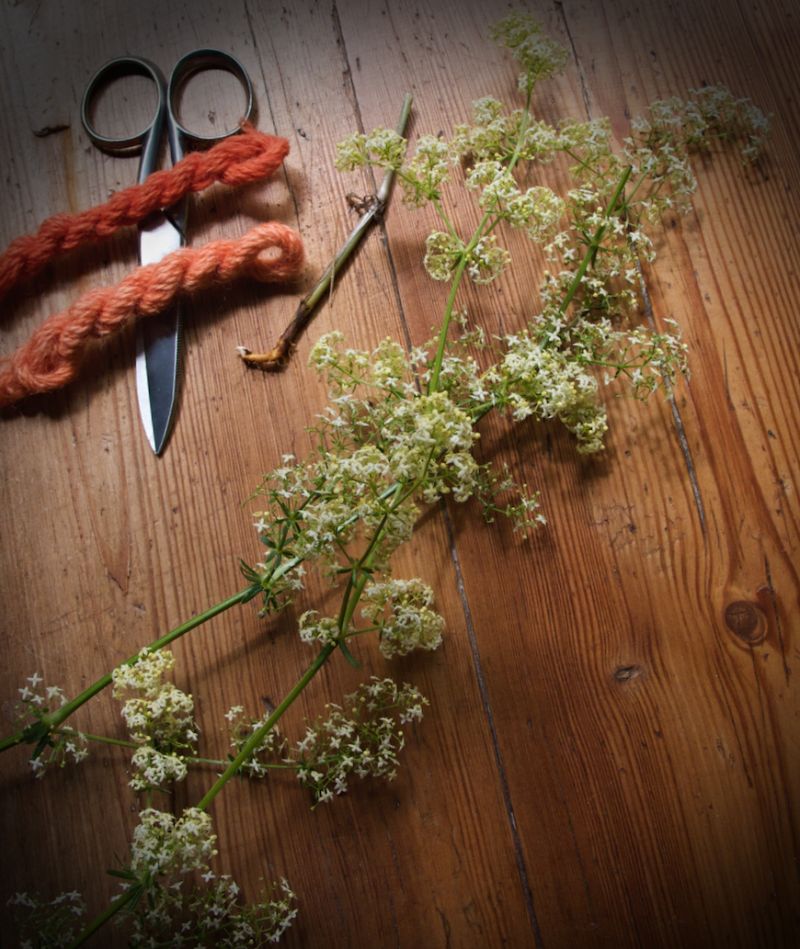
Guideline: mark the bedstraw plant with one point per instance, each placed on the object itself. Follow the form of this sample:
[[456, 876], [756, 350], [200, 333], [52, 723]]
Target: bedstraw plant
[[397, 437]]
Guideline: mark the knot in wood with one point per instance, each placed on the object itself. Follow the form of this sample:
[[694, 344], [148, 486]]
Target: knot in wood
[[623, 674], [746, 621]]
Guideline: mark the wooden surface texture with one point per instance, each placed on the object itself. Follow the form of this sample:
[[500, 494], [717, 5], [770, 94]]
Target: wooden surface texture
[[611, 755]]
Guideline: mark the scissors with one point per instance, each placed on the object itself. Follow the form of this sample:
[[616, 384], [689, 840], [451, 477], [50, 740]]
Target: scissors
[[158, 338]]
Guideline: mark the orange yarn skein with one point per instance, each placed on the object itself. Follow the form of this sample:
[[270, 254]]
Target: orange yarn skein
[[50, 358], [238, 160]]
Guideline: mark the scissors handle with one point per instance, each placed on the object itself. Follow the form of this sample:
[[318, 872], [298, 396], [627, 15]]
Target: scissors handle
[[147, 140], [200, 60]]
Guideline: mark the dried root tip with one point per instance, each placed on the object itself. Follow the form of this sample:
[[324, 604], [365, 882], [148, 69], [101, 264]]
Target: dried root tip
[[272, 361]]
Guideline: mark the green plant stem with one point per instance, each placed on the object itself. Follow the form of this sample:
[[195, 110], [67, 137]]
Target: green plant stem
[[108, 913], [350, 599], [458, 274], [124, 743], [260, 733], [433, 384], [437, 204], [55, 718], [102, 739], [277, 356], [594, 244]]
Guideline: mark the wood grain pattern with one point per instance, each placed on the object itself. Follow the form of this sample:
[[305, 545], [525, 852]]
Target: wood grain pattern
[[611, 754]]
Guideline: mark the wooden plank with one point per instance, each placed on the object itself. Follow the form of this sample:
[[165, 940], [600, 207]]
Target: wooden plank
[[664, 748], [160, 540], [598, 734], [713, 283]]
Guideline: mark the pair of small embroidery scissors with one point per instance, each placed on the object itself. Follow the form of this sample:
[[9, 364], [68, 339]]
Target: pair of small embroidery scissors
[[157, 338]]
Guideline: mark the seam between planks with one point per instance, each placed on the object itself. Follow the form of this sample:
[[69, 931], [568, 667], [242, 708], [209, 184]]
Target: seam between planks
[[677, 418], [381, 223], [270, 109], [559, 5], [519, 857], [483, 689]]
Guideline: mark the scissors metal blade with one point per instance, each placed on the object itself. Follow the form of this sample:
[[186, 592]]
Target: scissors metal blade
[[157, 340]]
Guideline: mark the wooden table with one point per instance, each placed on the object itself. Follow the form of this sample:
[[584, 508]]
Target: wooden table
[[610, 757]]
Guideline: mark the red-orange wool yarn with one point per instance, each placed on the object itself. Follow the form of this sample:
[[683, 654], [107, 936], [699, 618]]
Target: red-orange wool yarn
[[51, 356], [271, 251], [238, 160]]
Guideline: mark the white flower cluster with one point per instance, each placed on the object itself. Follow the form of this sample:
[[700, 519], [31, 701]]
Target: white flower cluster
[[502, 494], [495, 135], [490, 136], [662, 142], [155, 769], [442, 253], [363, 738], [212, 914], [487, 260], [484, 260], [539, 56], [318, 630], [233, 924], [462, 378], [59, 746], [537, 211], [34, 694], [164, 844], [159, 716], [182, 902], [426, 172], [271, 748], [401, 609], [381, 448], [382, 147], [53, 923], [532, 380], [710, 113]]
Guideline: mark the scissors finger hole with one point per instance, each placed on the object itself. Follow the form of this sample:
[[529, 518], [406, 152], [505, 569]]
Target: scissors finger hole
[[210, 105], [120, 108]]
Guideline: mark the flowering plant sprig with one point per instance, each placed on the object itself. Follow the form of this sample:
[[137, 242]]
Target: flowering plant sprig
[[363, 738], [399, 435]]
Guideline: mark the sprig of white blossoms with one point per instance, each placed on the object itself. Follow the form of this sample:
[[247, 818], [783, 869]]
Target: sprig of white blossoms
[[378, 433], [58, 746], [532, 380], [710, 113], [537, 210], [401, 611], [272, 748], [318, 630], [160, 719], [362, 738], [182, 902], [214, 915], [539, 56], [53, 923], [164, 844]]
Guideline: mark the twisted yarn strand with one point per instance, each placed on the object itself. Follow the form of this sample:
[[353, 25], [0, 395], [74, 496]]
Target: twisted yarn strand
[[51, 357], [240, 159]]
